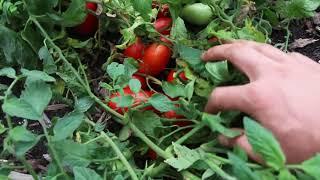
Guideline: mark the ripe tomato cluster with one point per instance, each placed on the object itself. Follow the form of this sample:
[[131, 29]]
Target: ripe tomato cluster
[[153, 59]]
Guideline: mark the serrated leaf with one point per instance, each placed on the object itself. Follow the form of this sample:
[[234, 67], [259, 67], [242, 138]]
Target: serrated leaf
[[32, 102], [123, 101], [22, 139], [186, 157], [36, 75], [82, 173], [265, 144], [161, 102], [74, 154], [179, 30], [67, 125], [48, 62], [189, 90], [46, 6], [147, 122], [214, 122], [144, 7], [114, 70], [240, 169], [75, 14], [219, 72], [8, 72], [173, 90], [135, 85], [83, 104], [311, 166]]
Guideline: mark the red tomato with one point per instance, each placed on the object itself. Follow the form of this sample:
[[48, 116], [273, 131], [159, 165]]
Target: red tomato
[[173, 115], [163, 25], [142, 81], [139, 98], [135, 50], [155, 60], [171, 77], [164, 11], [152, 154], [90, 25]]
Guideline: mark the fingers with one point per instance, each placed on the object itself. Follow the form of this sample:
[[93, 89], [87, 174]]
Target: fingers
[[246, 58], [243, 143], [229, 98]]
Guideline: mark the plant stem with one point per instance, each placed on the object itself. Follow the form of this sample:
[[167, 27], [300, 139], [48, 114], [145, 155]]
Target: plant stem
[[9, 122], [189, 176], [190, 133], [294, 166], [151, 144], [287, 37], [53, 151], [218, 170], [121, 156], [28, 167], [227, 161]]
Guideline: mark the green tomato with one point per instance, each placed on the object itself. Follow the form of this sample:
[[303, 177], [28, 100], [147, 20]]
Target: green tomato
[[197, 14]]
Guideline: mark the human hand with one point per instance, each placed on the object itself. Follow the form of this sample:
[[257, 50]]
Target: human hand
[[283, 95]]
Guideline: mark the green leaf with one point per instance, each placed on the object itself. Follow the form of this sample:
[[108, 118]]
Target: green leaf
[[190, 89], [207, 174], [173, 90], [123, 101], [297, 9], [2, 129], [67, 125], [33, 6], [115, 70], [48, 62], [161, 102], [82, 173], [15, 50], [128, 34], [219, 72], [8, 72], [240, 169], [311, 167], [193, 58], [147, 122], [135, 85], [22, 139], [32, 36], [75, 14], [186, 157], [265, 144], [203, 88], [144, 7], [32, 102], [179, 30], [286, 175], [74, 154], [214, 122], [36, 75], [83, 104], [249, 32]]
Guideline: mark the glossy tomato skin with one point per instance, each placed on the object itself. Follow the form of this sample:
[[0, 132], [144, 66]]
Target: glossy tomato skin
[[90, 25], [142, 81], [155, 60], [171, 77], [163, 25], [135, 50], [139, 98]]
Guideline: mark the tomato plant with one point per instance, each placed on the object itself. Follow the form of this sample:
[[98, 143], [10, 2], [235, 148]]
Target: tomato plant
[[65, 101]]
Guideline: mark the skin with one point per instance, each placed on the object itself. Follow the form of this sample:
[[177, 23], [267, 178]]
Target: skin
[[283, 95]]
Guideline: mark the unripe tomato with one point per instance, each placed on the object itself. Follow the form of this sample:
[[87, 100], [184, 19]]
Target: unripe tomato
[[139, 98], [163, 25], [135, 50], [171, 77], [142, 81], [197, 14], [155, 59], [90, 25]]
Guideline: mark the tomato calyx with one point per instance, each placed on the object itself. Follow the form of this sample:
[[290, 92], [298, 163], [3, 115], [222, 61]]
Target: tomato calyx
[[171, 76]]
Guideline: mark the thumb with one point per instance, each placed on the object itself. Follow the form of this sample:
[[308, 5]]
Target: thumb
[[243, 143]]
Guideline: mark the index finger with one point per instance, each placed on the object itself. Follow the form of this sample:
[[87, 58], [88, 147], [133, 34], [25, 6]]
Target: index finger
[[246, 58]]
